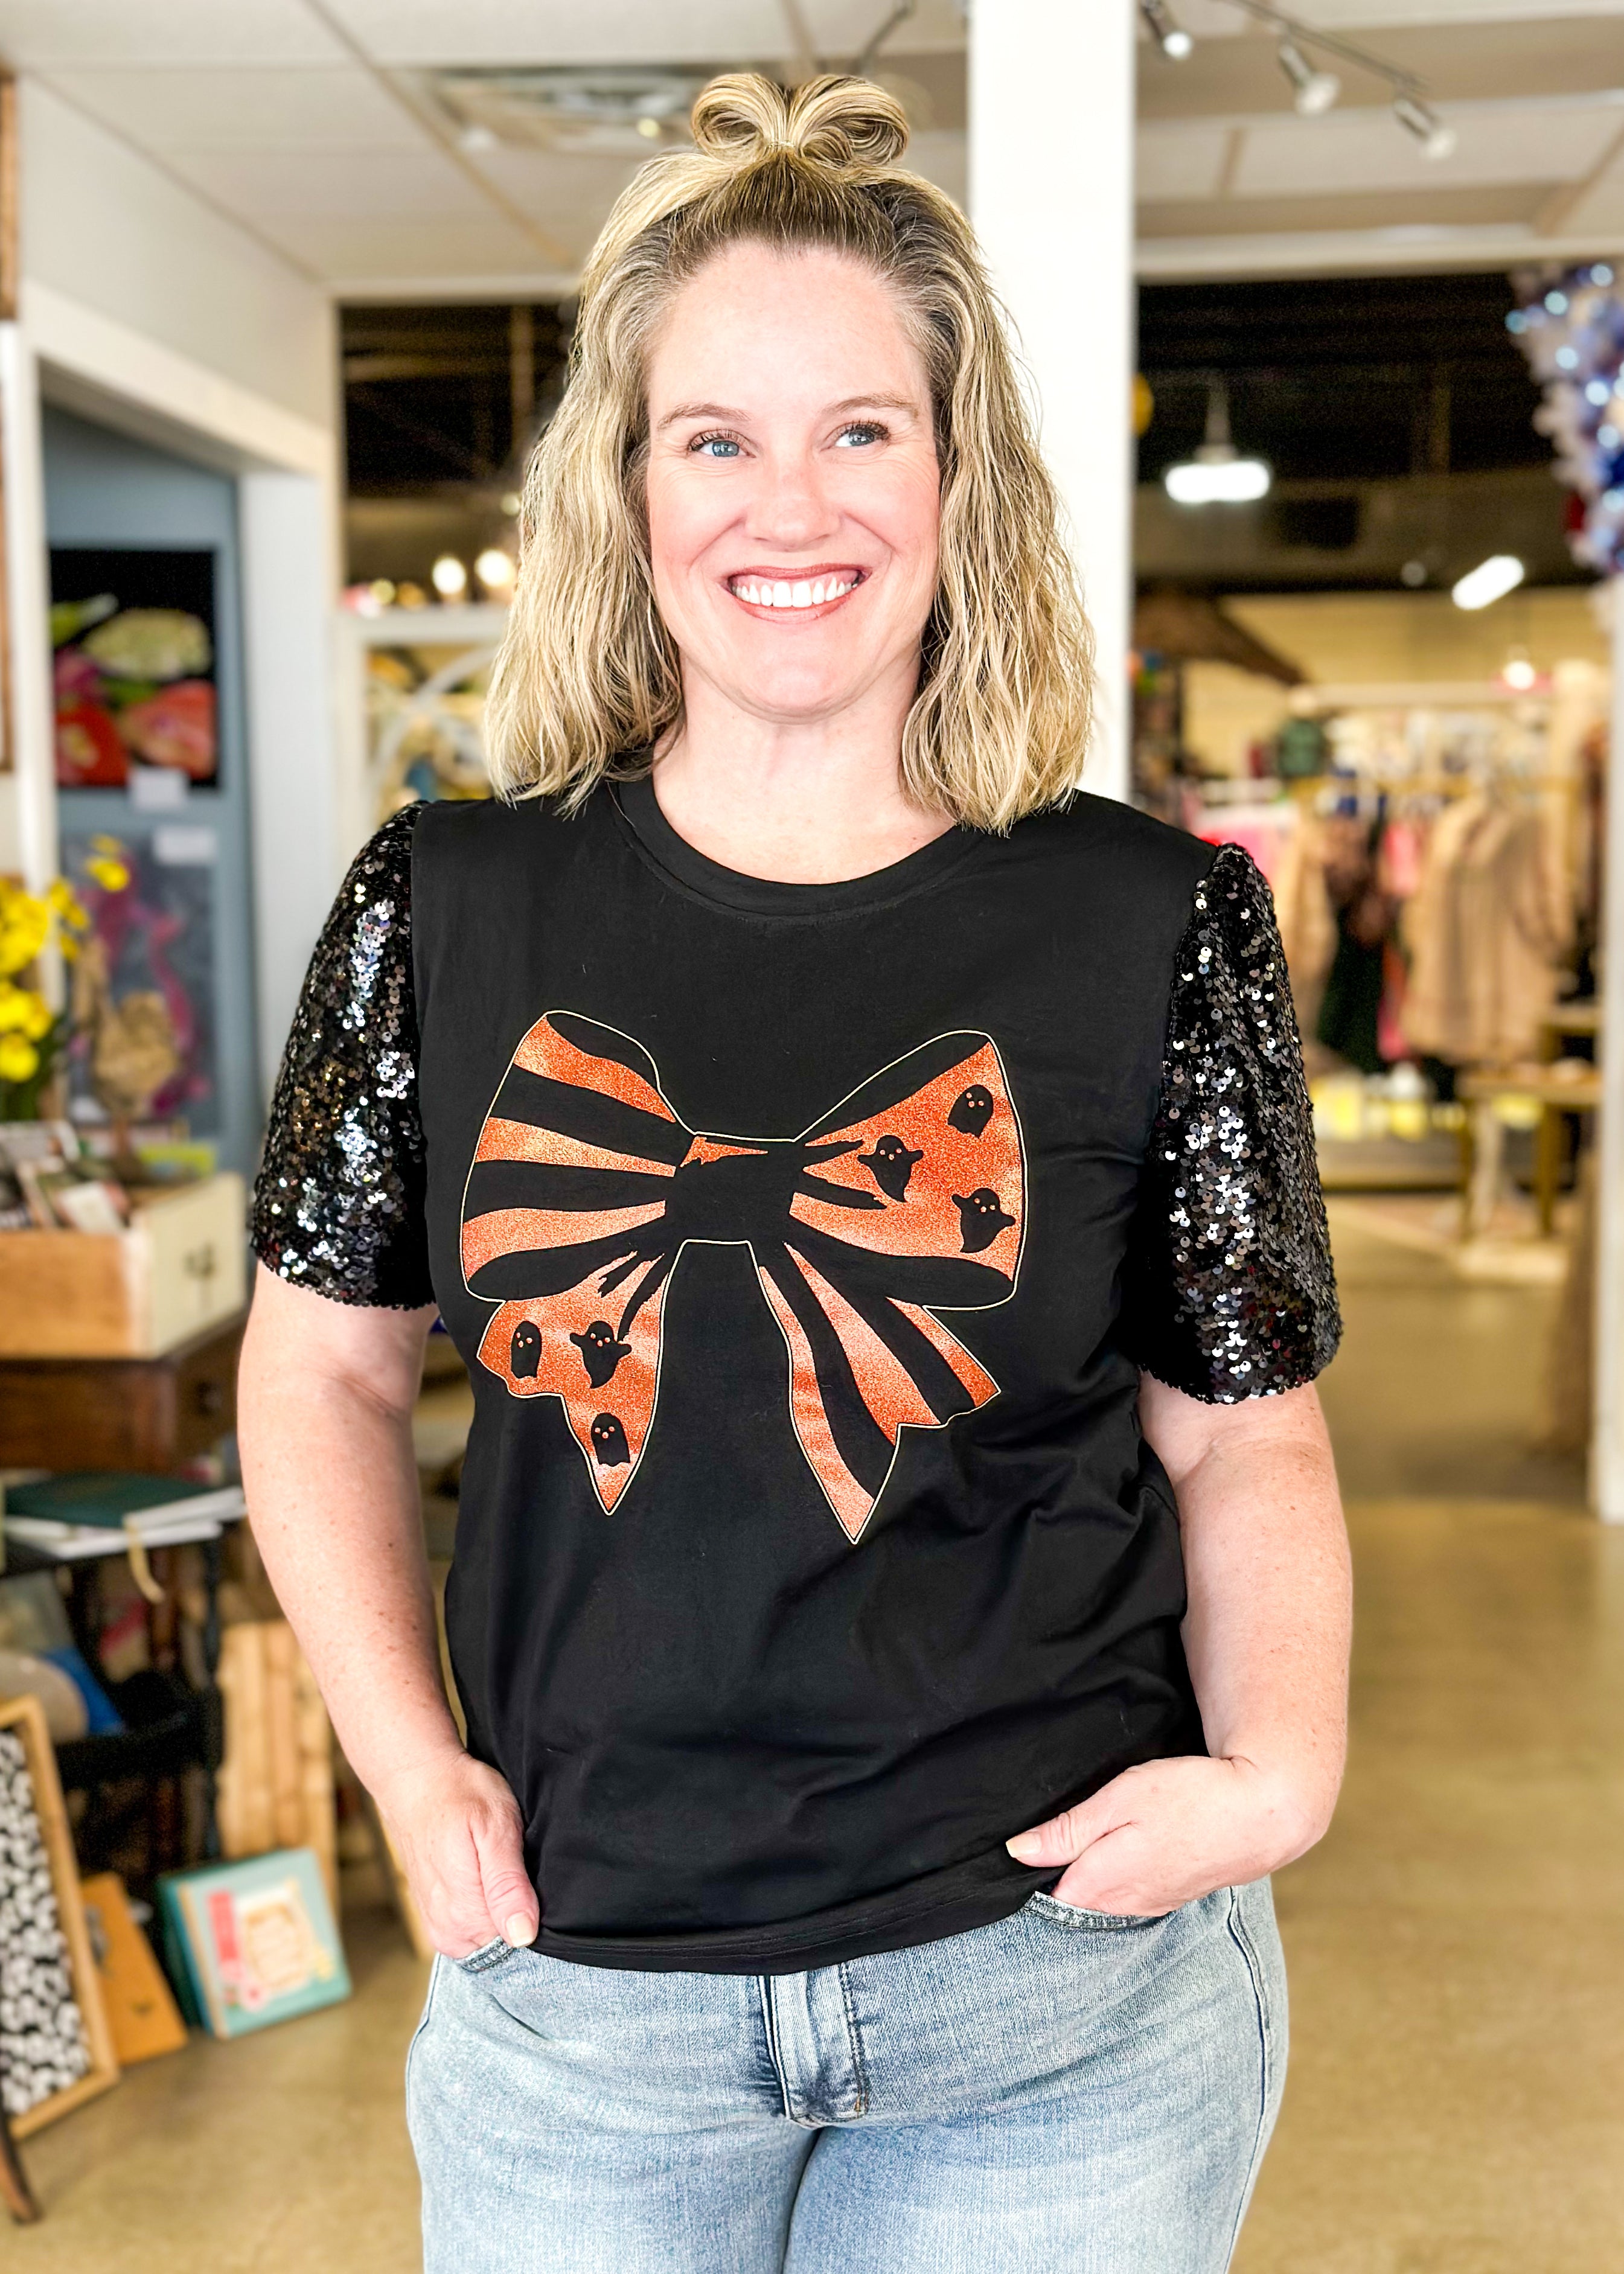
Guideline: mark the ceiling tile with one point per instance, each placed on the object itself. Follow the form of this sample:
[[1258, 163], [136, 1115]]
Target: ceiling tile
[[355, 250], [313, 109], [568, 194], [1179, 161], [265, 186], [40, 34], [1406, 15], [1374, 209], [1359, 150], [448, 32]]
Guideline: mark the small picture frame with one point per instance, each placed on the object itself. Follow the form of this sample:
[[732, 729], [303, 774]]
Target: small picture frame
[[47, 1970]]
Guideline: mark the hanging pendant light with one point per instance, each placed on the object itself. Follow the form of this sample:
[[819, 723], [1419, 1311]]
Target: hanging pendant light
[[1171, 38], [1313, 91], [1217, 474], [1436, 139]]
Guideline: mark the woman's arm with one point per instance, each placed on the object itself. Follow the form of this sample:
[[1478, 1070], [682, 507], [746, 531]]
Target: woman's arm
[[1266, 1635], [325, 1403]]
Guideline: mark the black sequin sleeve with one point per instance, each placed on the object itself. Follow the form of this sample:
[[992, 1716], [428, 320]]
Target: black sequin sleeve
[[338, 1202], [1228, 1290]]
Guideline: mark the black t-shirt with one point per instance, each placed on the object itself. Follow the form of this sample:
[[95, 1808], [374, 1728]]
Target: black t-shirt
[[805, 1244]]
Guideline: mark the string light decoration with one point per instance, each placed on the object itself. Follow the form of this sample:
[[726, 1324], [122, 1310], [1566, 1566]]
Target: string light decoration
[[1570, 326]]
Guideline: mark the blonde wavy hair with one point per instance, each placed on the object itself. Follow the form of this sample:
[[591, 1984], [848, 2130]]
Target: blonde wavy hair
[[588, 677]]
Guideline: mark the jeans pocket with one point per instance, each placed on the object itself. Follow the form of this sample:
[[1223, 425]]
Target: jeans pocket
[[1078, 1920], [488, 1957]]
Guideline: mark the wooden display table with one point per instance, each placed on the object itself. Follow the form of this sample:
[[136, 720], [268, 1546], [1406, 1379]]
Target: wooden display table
[[1560, 1087], [148, 1413]]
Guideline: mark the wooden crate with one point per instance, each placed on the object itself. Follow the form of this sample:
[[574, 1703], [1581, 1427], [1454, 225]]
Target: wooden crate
[[275, 1783], [180, 1267]]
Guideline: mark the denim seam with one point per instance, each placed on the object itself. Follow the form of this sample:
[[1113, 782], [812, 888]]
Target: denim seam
[[854, 2041], [1084, 1921], [1243, 1942], [422, 2019], [769, 2016]]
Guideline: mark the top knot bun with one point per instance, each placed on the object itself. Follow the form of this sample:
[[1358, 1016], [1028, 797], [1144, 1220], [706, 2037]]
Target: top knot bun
[[745, 118]]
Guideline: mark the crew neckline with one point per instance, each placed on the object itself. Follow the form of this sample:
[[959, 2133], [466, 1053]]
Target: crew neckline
[[639, 811]]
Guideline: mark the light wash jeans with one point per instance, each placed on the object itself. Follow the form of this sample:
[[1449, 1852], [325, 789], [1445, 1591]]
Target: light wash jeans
[[1064, 2093]]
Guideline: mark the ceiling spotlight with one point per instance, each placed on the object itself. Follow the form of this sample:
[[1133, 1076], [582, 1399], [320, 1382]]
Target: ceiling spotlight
[[1436, 138], [1316, 90], [1518, 673], [449, 578], [1489, 581], [1171, 38], [1217, 474]]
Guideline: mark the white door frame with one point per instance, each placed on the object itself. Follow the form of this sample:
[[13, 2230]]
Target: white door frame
[[289, 504]]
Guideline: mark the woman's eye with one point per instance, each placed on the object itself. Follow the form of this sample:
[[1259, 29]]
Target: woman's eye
[[714, 446], [860, 436]]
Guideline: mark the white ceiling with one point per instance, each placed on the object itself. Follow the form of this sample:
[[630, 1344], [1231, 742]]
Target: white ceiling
[[312, 124]]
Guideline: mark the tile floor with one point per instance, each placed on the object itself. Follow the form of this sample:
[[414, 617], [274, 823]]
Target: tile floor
[[1457, 2102]]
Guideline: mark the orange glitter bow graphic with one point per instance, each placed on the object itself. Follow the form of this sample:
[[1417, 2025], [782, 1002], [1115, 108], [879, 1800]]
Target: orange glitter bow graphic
[[907, 1199]]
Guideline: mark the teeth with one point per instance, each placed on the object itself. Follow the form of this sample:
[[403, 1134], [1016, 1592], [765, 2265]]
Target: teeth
[[782, 594]]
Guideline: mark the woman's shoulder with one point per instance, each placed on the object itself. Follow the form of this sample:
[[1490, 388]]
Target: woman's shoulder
[[1108, 847], [453, 836]]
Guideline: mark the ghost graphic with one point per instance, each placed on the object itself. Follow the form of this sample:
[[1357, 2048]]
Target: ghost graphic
[[610, 1449], [972, 1109], [600, 1353], [524, 1351], [890, 1165], [980, 1219]]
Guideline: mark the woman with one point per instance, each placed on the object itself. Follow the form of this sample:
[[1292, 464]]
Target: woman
[[899, 1604]]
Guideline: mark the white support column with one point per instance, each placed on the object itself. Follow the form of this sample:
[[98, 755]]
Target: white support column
[[1051, 193], [305, 830], [1607, 1441], [27, 605]]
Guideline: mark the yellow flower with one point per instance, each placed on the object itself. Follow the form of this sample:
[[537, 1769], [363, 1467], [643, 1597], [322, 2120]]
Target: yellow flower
[[19, 1059], [65, 906], [25, 926], [111, 874], [23, 1010]]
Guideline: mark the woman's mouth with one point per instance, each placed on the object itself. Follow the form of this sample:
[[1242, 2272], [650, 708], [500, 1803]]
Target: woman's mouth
[[794, 594]]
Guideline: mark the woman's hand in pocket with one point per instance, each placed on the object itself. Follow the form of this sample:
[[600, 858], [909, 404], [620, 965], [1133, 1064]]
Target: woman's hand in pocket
[[1162, 1834], [457, 1831]]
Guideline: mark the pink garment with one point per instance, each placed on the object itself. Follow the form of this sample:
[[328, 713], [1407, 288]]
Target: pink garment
[[1258, 834]]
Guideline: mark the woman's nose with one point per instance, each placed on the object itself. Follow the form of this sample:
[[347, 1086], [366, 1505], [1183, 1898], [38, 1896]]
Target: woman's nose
[[789, 506]]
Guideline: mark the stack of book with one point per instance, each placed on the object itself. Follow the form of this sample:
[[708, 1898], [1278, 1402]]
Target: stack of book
[[98, 1512]]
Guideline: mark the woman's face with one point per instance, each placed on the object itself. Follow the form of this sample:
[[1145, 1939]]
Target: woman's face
[[792, 485]]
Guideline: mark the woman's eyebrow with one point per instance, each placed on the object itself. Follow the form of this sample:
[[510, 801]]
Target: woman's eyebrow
[[875, 402], [835, 410], [697, 410]]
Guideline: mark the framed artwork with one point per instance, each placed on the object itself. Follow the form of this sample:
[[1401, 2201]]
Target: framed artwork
[[132, 664], [56, 2047], [152, 970]]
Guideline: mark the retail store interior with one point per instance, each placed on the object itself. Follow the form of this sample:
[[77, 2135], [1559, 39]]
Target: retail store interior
[[288, 300]]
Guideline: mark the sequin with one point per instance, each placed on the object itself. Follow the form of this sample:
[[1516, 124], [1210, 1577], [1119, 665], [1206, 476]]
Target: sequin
[[338, 1204], [1228, 1292]]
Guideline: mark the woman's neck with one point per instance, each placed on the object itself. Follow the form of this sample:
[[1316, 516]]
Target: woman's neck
[[811, 803]]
